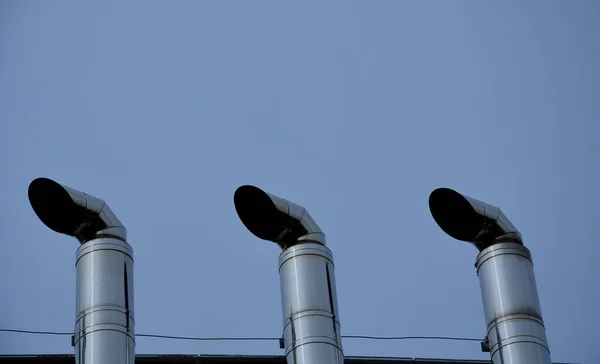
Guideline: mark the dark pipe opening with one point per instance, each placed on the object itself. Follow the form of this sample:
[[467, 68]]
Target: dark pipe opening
[[71, 212], [467, 219], [262, 218], [454, 214], [54, 206]]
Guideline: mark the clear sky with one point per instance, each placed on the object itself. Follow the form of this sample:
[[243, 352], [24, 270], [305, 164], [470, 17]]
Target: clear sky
[[355, 110]]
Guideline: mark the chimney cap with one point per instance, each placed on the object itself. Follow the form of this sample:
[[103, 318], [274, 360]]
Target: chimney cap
[[71, 212], [275, 219], [467, 219]]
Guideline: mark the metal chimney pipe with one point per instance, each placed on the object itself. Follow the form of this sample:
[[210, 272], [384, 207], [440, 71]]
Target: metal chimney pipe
[[311, 326], [515, 327], [104, 325]]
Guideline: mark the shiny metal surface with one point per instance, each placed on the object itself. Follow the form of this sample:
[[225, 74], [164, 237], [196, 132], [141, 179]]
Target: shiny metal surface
[[275, 219], [309, 305], [104, 327], [467, 219], [75, 213], [515, 327], [311, 325]]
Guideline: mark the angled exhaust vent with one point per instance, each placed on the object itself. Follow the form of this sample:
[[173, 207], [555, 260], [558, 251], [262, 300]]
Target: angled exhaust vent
[[311, 326], [275, 219], [515, 327], [71, 212], [104, 325], [467, 219]]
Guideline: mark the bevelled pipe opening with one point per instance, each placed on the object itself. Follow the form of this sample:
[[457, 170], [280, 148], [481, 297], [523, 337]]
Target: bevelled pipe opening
[[262, 218], [257, 212], [455, 215], [71, 212], [54, 206]]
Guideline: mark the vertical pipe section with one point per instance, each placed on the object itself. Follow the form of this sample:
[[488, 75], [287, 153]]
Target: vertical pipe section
[[515, 327], [311, 325], [309, 305], [104, 325]]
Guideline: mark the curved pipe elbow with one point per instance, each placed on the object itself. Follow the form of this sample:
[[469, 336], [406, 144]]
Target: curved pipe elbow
[[74, 213], [275, 219], [467, 219]]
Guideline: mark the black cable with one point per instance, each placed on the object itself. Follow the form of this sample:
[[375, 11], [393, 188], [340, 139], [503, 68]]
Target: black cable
[[156, 336], [208, 338], [410, 338], [36, 332]]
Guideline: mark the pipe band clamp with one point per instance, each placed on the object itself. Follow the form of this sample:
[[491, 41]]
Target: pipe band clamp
[[313, 340], [516, 316], [501, 249], [309, 313], [104, 308], [305, 249], [104, 244], [518, 339], [102, 327]]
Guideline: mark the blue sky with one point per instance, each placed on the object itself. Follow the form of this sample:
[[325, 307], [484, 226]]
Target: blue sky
[[355, 110]]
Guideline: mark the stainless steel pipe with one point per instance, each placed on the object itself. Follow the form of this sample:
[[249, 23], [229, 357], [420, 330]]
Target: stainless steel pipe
[[311, 325], [515, 327], [104, 325], [309, 304]]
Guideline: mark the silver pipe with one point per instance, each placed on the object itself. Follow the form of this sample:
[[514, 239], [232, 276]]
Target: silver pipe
[[75, 213], [467, 219], [275, 219], [104, 325], [515, 327], [311, 325]]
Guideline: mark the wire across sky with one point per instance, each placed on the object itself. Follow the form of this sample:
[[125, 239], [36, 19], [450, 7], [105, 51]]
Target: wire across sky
[[192, 338]]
